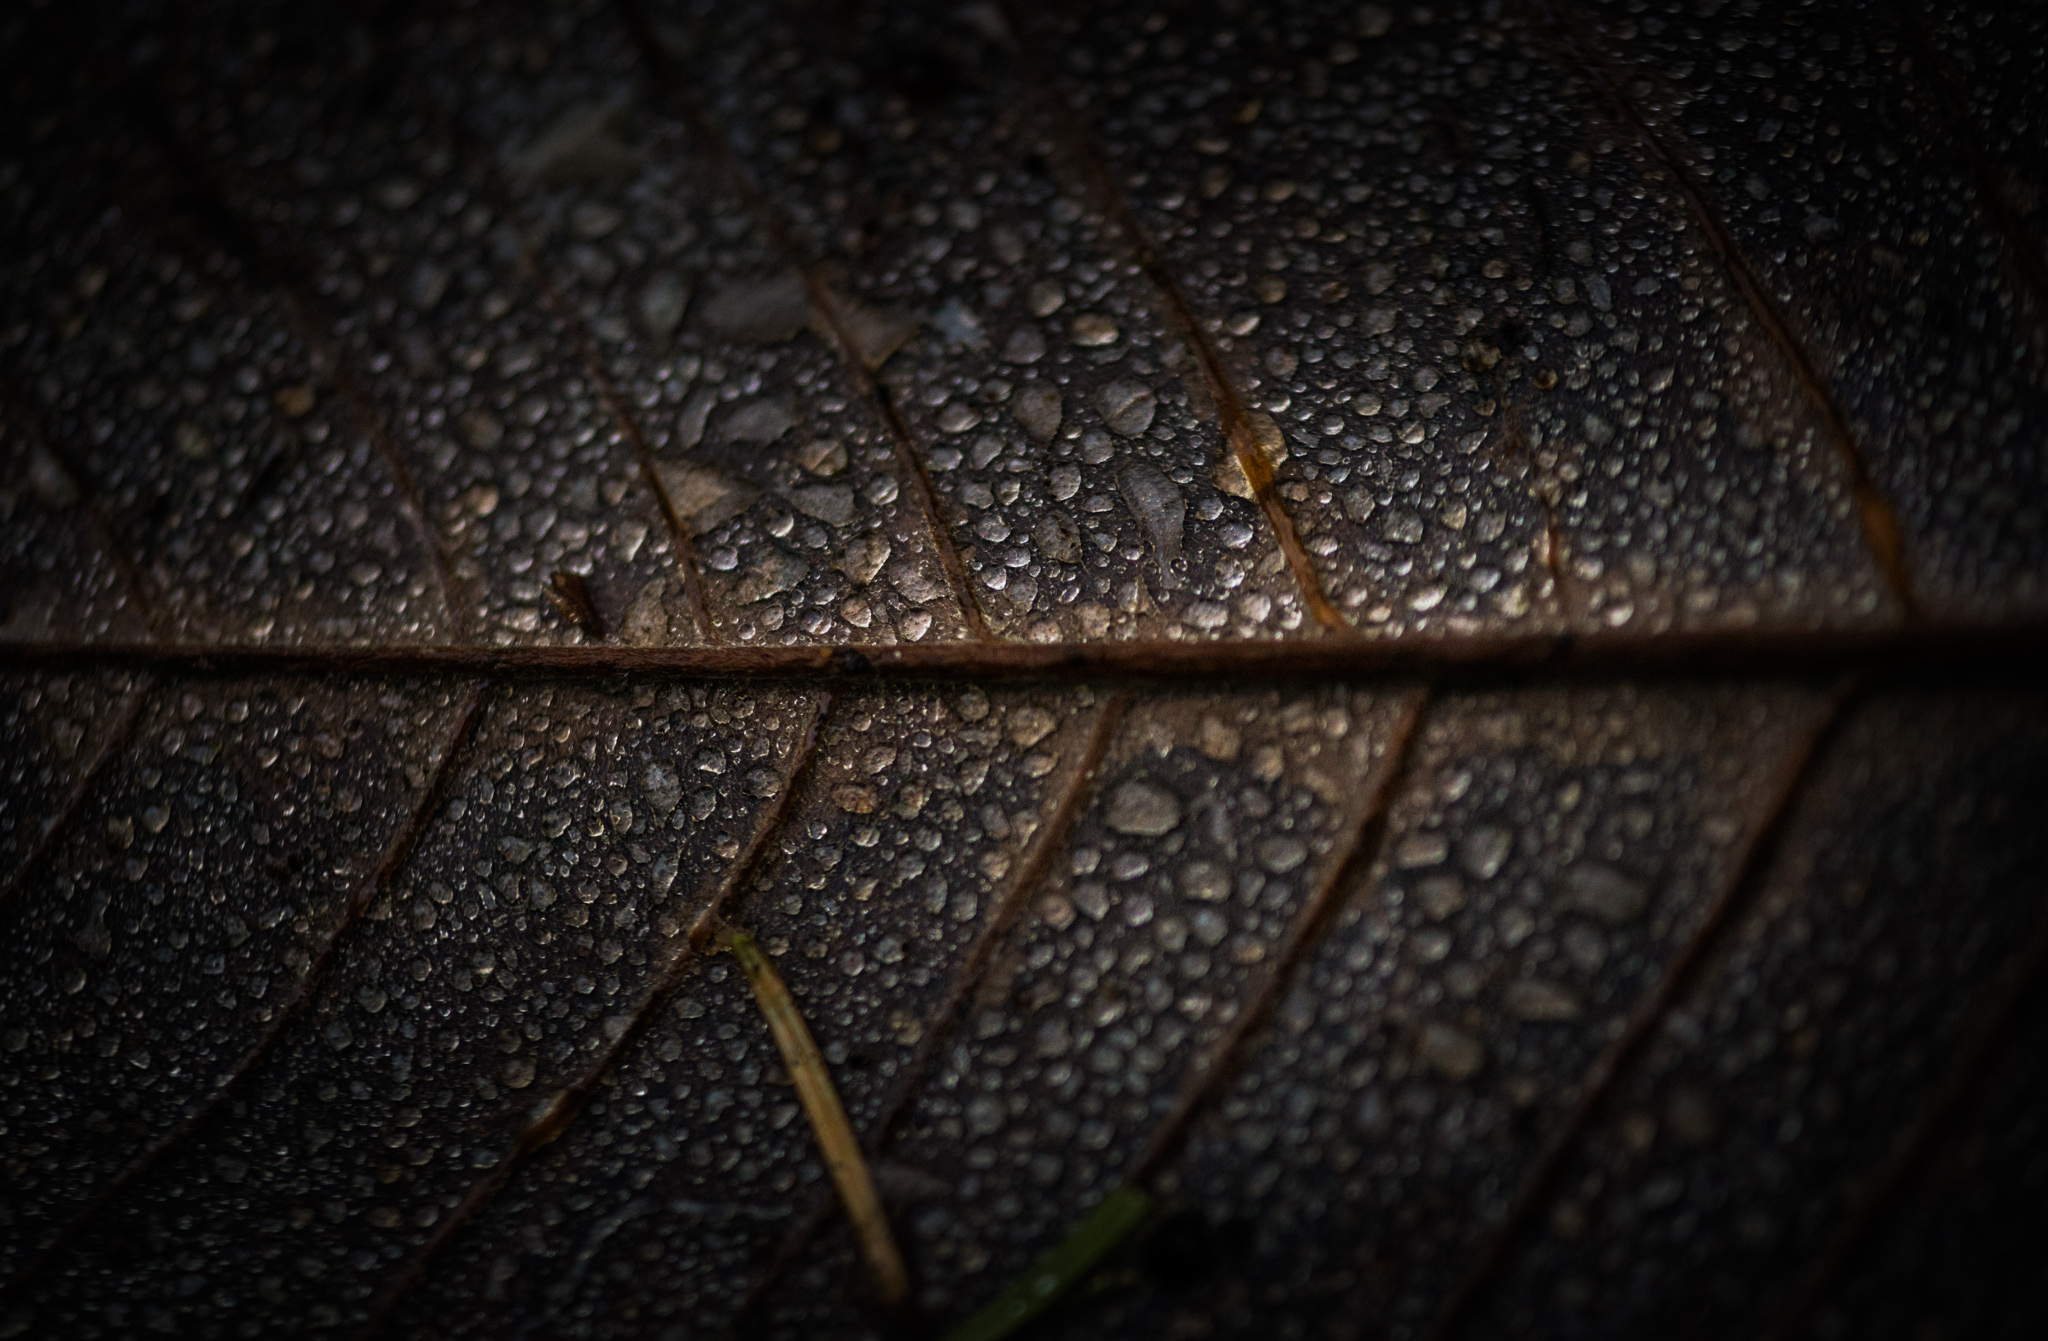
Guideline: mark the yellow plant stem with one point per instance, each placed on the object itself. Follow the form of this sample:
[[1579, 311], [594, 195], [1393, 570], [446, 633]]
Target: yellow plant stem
[[836, 1141]]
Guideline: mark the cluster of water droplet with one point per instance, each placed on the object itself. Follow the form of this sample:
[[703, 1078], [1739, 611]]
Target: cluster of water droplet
[[694, 1158], [179, 910], [1212, 822], [1810, 1042], [250, 506], [1896, 247]]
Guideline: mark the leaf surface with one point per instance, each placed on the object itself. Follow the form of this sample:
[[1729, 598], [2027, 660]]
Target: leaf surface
[[1405, 631]]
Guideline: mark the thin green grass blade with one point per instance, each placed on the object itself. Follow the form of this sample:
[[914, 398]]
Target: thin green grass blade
[[1060, 1269]]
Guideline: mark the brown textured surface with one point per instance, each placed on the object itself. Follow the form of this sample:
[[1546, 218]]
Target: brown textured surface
[[1414, 625]]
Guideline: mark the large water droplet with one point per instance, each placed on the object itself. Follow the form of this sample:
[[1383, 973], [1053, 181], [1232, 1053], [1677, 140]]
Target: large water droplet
[[1127, 407], [1601, 891], [1037, 407], [1143, 807], [1161, 512]]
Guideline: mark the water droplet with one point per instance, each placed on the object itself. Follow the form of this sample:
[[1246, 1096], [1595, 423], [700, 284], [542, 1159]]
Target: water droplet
[[985, 1114], [661, 305], [1484, 851], [481, 429], [1037, 407], [664, 790], [1028, 726], [864, 557], [1218, 739], [856, 800], [706, 497], [1440, 896], [1282, 853], [1535, 1000], [1820, 228], [1025, 345], [52, 485], [580, 145], [1143, 807], [1601, 891], [1057, 537], [829, 503], [1092, 330], [960, 325], [1455, 1055], [1205, 881], [1127, 407], [823, 456], [776, 571], [1161, 512], [765, 311], [1421, 849], [1401, 527], [192, 441], [763, 420], [875, 332]]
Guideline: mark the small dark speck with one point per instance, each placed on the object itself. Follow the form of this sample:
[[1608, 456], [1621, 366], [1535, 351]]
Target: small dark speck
[[570, 596]]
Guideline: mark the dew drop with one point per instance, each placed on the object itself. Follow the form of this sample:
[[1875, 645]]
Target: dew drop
[[1143, 807]]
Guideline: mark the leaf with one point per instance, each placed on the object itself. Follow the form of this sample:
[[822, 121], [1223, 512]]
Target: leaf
[[1404, 630]]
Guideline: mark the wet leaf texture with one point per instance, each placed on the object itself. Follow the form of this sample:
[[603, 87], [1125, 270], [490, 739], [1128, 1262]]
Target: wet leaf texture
[[337, 1000]]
